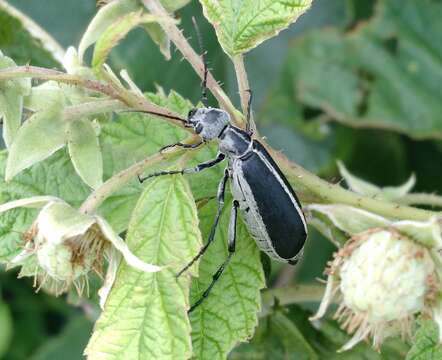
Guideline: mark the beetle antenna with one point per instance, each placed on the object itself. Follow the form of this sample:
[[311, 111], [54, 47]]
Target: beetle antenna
[[249, 107], [206, 70], [158, 114]]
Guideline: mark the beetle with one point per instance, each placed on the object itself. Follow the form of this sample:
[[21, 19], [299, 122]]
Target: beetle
[[269, 207], [268, 204]]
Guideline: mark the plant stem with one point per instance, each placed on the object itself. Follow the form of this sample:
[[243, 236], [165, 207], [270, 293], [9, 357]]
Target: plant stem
[[293, 294], [116, 182], [133, 101], [243, 85], [326, 192], [92, 108], [177, 37]]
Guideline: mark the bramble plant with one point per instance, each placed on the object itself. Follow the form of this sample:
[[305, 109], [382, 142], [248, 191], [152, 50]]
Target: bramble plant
[[75, 218]]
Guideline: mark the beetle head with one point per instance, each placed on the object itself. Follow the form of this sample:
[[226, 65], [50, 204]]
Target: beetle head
[[208, 122]]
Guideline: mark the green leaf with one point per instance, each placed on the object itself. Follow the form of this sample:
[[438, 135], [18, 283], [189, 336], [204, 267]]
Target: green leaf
[[145, 315], [174, 5], [159, 37], [129, 139], [157, 33], [291, 337], [85, 152], [6, 326], [385, 74], [242, 25], [229, 315], [105, 17], [43, 96], [39, 137], [113, 11], [54, 176], [11, 107], [288, 335], [116, 32], [426, 344], [118, 207], [277, 338], [13, 224], [11, 101], [132, 137]]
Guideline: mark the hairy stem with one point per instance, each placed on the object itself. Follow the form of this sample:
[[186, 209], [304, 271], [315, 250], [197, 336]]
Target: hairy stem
[[117, 181], [325, 192], [133, 101], [177, 37], [292, 294], [92, 108]]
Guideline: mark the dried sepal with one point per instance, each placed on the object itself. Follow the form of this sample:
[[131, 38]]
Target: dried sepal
[[114, 259], [360, 186], [352, 221], [427, 233], [348, 218], [33, 202]]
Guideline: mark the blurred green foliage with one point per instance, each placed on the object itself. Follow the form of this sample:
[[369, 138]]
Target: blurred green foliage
[[17, 43], [353, 80], [288, 334]]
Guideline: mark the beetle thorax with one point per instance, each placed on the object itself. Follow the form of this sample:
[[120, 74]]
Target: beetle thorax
[[234, 142], [209, 123]]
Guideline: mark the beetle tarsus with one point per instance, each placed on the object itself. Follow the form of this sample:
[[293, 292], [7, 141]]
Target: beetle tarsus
[[179, 144]]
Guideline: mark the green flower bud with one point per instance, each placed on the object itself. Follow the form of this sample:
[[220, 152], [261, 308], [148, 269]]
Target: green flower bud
[[385, 277]]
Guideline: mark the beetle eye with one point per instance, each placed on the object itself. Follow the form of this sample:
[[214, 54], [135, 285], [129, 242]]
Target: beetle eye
[[198, 128], [191, 113]]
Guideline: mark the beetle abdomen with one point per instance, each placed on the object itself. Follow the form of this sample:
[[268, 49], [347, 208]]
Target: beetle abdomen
[[269, 205]]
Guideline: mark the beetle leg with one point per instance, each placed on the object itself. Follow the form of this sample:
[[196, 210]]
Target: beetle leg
[[231, 249], [184, 146], [198, 168], [220, 197]]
